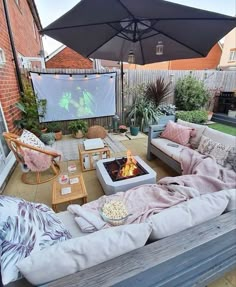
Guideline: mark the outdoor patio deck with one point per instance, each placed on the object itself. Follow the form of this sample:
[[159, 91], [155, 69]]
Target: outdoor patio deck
[[42, 193]]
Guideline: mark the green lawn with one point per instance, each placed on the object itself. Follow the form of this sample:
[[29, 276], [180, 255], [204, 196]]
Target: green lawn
[[223, 128]]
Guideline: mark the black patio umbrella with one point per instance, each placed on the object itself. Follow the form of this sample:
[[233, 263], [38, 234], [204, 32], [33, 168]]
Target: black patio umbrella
[[141, 31]]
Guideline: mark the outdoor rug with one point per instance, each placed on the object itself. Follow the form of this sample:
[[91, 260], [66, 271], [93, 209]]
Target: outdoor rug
[[119, 137], [68, 147]]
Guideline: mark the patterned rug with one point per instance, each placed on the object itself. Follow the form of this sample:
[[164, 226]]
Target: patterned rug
[[119, 137], [68, 147]]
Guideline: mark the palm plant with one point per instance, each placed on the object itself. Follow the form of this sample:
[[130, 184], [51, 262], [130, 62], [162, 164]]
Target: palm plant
[[158, 92]]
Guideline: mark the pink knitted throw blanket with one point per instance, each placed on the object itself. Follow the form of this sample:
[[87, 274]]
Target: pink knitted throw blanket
[[37, 161]]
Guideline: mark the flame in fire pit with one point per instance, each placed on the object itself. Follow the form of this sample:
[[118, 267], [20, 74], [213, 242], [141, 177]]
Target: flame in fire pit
[[130, 166]]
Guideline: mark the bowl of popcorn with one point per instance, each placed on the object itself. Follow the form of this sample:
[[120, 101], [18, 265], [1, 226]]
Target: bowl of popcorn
[[114, 212]]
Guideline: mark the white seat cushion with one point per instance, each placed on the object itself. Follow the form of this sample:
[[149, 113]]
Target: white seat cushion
[[187, 214], [83, 252], [194, 141], [220, 137], [162, 144], [68, 220]]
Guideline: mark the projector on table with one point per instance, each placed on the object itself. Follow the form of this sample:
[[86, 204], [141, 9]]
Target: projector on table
[[93, 144]]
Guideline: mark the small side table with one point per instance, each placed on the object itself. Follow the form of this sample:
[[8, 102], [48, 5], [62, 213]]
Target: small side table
[[78, 190], [88, 158]]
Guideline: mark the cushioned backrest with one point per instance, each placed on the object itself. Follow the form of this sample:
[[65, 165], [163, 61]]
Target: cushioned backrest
[[220, 137], [199, 131]]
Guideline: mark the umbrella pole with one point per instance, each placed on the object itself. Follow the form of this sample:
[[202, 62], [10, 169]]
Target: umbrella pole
[[122, 90]]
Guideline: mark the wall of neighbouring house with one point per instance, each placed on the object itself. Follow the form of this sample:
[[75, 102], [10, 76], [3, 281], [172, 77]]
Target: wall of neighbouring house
[[229, 44], [69, 59], [21, 22], [26, 37], [211, 61]]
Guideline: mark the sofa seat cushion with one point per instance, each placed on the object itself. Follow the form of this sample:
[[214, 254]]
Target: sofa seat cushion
[[187, 214], [173, 152], [199, 129], [80, 253], [68, 220], [220, 137]]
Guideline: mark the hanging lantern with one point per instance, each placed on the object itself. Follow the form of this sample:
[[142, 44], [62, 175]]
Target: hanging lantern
[[131, 57], [159, 48], [115, 123]]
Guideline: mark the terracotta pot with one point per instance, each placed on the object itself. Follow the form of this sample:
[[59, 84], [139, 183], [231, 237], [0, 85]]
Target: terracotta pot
[[210, 114], [58, 135], [78, 135], [44, 130]]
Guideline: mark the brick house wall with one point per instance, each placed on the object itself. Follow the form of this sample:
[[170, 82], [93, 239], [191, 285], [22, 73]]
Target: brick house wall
[[211, 61], [69, 59], [26, 44]]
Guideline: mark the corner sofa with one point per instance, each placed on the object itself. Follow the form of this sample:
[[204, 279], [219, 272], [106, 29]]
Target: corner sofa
[[162, 147], [193, 257]]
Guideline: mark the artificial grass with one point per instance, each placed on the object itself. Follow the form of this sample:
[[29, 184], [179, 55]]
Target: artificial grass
[[223, 128]]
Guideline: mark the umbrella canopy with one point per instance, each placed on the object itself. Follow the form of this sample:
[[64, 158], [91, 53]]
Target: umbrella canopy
[[153, 30]]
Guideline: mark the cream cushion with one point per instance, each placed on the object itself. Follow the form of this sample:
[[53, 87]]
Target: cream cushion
[[194, 141], [162, 144], [83, 252], [188, 214], [29, 138], [220, 137], [231, 195], [68, 220]]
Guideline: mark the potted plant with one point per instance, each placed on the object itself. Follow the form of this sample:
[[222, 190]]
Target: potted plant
[[32, 109], [55, 128], [78, 128], [123, 129], [141, 114], [158, 92], [167, 112]]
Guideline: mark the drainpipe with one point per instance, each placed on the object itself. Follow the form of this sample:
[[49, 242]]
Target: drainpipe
[[15, 58]]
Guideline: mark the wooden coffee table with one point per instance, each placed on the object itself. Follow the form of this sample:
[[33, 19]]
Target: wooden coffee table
[[78, 190]]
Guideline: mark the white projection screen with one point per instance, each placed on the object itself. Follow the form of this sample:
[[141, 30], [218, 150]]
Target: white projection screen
[[71, 97]]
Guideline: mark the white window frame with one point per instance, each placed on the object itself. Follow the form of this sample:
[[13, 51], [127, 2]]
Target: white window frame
[[232, 56], [2, 58]]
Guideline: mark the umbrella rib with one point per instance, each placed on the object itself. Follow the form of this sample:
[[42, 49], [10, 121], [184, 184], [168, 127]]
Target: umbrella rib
[[170, 37], [126, 9]]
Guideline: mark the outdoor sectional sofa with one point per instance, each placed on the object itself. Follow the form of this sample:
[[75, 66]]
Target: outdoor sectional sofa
[[193, 257], [162, 149]]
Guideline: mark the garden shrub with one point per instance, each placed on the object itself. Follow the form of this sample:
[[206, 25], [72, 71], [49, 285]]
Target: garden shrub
[[190, 94], [197, 117]]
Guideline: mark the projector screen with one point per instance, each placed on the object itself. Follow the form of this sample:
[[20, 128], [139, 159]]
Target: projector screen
[[72, 97]]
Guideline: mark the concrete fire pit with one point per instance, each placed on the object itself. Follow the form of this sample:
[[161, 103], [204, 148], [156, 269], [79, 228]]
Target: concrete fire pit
[[110, 187]]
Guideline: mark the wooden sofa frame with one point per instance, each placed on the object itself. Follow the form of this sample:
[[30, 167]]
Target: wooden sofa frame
[[154, 132], [194, 257]]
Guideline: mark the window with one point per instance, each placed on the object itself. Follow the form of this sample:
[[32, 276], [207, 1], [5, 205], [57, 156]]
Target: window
[[232, 55], [2, 58]]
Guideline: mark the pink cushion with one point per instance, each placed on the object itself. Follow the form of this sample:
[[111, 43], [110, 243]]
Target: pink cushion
[[177, 133]]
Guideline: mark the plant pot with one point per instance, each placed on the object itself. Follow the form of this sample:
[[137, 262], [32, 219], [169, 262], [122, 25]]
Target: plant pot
[[78, 134], [134, 131], [58, 135], [209, 116], [44, 130]]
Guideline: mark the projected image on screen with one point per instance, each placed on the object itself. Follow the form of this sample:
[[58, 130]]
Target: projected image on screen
[[76, 97]]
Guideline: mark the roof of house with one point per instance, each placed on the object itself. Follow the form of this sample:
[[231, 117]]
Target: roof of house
[[35, 13], [58, 50]]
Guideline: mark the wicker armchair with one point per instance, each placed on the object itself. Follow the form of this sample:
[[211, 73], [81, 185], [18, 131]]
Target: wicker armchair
[[44, 174]]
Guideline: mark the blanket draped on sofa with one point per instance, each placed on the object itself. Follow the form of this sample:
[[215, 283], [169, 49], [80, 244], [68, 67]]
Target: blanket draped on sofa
[[202, 173]]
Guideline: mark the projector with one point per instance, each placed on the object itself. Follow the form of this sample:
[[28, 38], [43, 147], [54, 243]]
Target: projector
[[93, 144]]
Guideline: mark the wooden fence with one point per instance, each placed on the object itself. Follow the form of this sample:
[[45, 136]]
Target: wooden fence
[[213, 80]]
